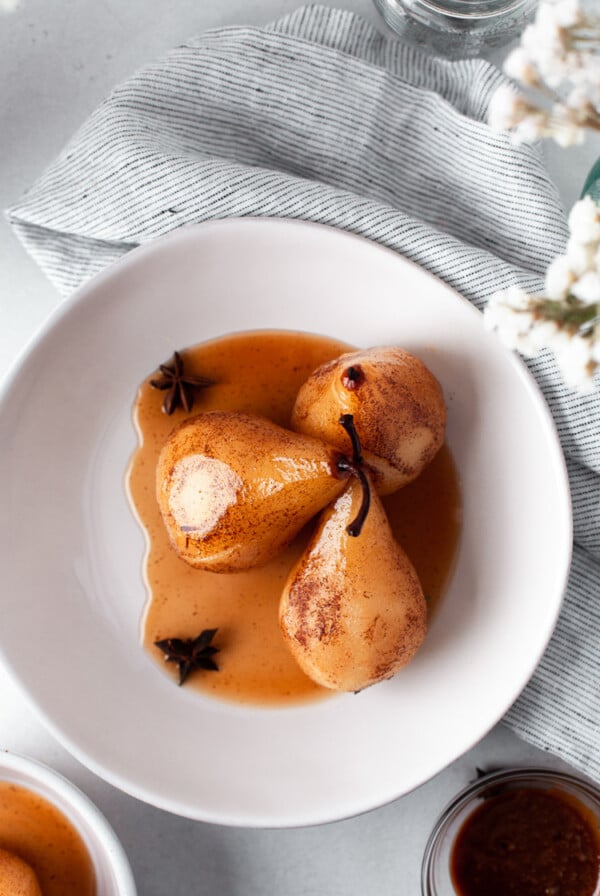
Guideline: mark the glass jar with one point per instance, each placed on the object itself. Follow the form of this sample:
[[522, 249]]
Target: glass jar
[[457, 28], [436, 870]]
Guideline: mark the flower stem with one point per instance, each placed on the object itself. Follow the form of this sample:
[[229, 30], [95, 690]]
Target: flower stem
[[572, 312]]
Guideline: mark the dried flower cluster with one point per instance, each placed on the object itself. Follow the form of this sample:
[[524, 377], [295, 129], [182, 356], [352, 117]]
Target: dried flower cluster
[[566, 319], [558, 61]]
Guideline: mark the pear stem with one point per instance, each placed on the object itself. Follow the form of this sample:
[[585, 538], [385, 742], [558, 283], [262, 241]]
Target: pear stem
[[347, 421], [355, 468]]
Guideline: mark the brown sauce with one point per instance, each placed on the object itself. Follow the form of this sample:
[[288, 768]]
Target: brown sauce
[[260, 373], [527, 842], [39, 834]]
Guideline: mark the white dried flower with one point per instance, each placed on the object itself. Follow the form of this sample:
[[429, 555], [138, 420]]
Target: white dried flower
[[545, 27], [527, 329], [558, 59], [506, 109], [545, 43], [515, 297], [566, 318], [559, 278], [568, 13], [565, 127], [526, 343], [580, 100], [587, 288], [8, 5], [584, 221], [543, 334], [530, 128], [574, 356], [588, 73], [581, 257], [520, 66], [507, 313]]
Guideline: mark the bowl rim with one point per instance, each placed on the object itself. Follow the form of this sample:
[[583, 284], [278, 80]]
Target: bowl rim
[[508, 775], [54, 782], [299, 235]]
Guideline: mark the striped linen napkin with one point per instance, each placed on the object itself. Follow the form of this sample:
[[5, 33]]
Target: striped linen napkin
[[320, 117]]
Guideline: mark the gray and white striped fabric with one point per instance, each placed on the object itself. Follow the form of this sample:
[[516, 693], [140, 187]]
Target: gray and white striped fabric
[[320, 117]]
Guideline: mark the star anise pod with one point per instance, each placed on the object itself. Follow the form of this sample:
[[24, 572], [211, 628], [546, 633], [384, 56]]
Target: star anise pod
[[180, 385], [190, 653]]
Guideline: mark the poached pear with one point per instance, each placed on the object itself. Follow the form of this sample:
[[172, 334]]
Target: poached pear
[[234, 489], [352, 611], [397, 405]]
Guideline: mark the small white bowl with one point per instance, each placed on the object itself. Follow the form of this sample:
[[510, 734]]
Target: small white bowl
[[113, 873]]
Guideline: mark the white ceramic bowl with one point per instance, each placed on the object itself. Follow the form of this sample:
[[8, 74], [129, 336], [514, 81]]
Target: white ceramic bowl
[[113, 874], [71, 550]]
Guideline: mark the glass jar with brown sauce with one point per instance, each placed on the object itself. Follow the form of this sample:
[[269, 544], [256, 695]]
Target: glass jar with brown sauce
[[519, 832]]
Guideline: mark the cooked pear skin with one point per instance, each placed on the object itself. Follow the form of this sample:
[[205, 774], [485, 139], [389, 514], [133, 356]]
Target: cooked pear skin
[[17, 878], [234, 489], [397, 405], [352, 611]]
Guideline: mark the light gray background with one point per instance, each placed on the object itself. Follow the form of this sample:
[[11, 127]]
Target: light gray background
[[58, 59]]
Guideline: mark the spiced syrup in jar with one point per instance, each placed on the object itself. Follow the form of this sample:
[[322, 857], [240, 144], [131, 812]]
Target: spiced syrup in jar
[[527, 841]]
